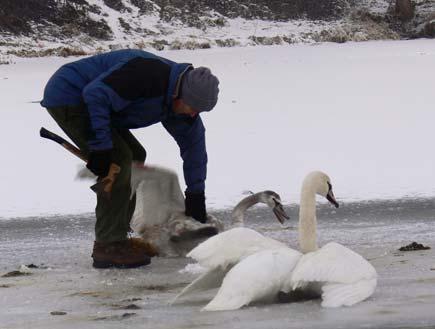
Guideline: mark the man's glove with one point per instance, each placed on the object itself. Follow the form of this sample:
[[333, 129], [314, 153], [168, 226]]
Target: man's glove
[[99, 162], [195, 206]]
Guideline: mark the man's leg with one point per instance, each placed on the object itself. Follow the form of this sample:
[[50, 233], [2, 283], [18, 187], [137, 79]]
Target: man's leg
[[138, 152], [111, 248], [113, 222], [113, 216], [138, 155], [74, 121]]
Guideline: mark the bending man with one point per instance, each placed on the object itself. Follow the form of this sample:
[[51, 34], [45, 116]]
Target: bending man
[[98, 99]]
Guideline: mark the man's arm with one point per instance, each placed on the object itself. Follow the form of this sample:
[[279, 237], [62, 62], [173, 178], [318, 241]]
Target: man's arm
[[117, 88], [100, 99], [189, 133]]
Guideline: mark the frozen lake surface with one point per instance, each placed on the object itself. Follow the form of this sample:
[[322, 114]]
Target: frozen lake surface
[[138, 298], [361, 112]]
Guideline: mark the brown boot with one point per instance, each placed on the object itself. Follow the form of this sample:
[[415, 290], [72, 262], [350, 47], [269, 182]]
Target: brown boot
[[121, 254], [145, 246]]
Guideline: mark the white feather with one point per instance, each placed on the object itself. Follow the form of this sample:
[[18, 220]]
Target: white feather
[[229, 247], [159, 213], [345, 277], [221, 252], [332, 263], [208, 280], [340, 275], [347, 294], [258, 277]]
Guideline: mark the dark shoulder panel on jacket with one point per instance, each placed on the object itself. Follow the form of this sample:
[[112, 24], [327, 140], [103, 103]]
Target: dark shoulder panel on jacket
[[140, 77]]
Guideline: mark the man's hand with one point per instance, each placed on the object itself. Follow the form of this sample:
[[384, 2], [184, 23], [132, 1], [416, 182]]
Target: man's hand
[[195, 206], [99, 162]]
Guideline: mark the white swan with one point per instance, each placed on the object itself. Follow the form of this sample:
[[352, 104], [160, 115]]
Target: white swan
[[159, 216], [258, 277], [335, 272], [341, 276], [159, 213], [220, 252]]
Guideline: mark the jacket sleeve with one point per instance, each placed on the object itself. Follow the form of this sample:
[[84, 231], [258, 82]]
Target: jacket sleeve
[[115, 89], [189, 133], [100, 99]]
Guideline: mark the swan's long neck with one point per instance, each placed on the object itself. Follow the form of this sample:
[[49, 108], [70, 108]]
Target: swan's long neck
[[307, 220], [238, 214]]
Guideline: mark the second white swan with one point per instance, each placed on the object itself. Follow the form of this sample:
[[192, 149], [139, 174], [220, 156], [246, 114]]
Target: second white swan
[[334, 272], [220, 252]]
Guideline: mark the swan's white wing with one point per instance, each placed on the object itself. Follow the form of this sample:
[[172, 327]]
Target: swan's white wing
[[229, 247], [347, 294], [347, 276], [158, 196], [165, 180], [258, 277], [220, 252], [333, 263], [208, 280]]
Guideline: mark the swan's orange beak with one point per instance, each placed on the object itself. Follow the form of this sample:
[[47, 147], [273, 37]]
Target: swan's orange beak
[[279, 212], [331, 198]]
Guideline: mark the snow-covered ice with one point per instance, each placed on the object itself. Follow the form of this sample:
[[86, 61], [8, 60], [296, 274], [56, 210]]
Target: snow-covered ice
[[138, 298], [362, 112]]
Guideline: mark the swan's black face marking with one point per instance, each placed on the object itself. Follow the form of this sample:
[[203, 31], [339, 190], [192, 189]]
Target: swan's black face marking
[[279, 212], [330, 196], [274, 201]]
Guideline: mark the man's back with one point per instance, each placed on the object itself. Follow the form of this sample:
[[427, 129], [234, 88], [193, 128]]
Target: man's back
[[66, 85]]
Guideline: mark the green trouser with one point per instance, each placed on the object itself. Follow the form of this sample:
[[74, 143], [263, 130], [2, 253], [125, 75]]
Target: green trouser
[[112, 216]]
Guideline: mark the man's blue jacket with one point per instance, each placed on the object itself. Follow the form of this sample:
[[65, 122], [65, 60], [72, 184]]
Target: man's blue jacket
[[131, 89]]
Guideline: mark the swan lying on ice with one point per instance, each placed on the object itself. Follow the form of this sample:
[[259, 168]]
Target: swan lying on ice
[[334, 272], [220, 252], [159, 216]]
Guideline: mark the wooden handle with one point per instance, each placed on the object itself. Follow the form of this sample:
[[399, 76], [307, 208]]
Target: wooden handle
[[44, 133], [105, 185]]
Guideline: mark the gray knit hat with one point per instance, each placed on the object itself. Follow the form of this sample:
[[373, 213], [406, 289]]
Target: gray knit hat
[[199, 89]]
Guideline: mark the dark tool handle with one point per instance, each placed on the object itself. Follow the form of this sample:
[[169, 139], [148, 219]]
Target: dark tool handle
[[44, 133], [104, 185]]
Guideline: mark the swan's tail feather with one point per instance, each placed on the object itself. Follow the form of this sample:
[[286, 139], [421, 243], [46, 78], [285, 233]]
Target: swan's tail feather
[[347, 294], [293, 285], [223, 302], [206, 281]]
